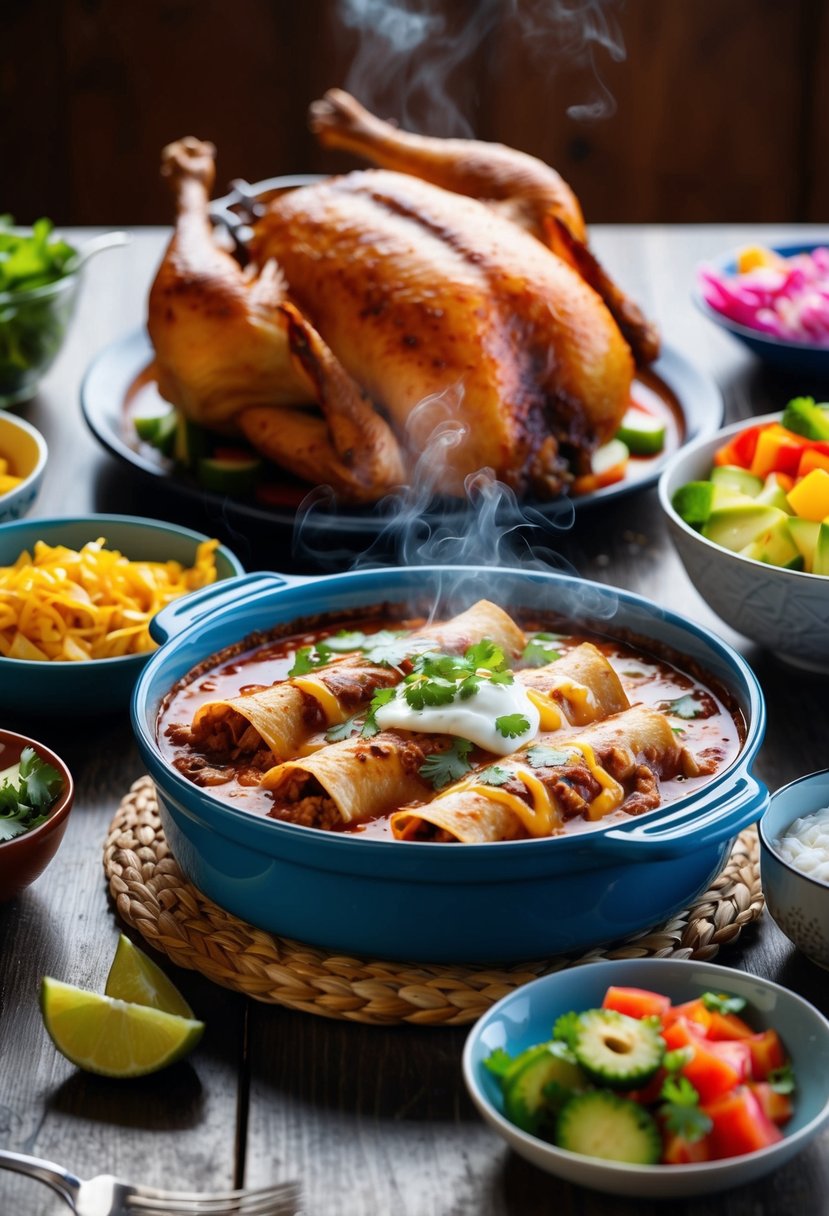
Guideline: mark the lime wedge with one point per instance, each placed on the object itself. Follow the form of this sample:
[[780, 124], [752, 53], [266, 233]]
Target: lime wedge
[[134, 977], [111, 1037]]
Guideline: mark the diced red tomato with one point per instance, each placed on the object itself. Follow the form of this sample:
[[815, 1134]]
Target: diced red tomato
[[682, 1033], [766, 1053], [714, 1068], [636, 1002], [738, 1124], [777, 1107], [740, 449], [679, 1151], [728, 1026]]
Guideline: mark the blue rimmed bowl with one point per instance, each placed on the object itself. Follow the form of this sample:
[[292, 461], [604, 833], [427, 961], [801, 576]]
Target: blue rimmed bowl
[[41, 689], [526, 1016], [808, 359], [444, 902]]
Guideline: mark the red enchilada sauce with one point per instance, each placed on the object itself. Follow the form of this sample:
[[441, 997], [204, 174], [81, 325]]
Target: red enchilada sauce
[[698, 718]]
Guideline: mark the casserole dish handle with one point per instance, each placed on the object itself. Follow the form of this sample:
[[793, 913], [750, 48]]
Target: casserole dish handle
[[197, 605], [719, 816]]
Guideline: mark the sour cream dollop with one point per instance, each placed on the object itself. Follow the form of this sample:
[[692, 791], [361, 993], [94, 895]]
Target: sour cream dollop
[[473, 719]]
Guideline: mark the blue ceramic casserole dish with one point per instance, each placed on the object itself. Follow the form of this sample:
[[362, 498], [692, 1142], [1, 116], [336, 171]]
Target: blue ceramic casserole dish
[[445, 902]]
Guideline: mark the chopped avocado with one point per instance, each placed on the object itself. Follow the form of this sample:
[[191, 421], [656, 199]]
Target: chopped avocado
[[601, 1124], [538, 1083], [737, 525], [821, 562], [804, 533], [616, 1050], [641, 433], [695, 501], [190, 443], [805, 417], [776, 547], [226, 476], [732, 477]]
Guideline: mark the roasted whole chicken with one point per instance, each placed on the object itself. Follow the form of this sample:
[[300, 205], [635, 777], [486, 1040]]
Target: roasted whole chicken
[[452, 285]]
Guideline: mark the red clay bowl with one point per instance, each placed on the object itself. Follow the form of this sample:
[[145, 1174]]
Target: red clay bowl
[[25, 857]]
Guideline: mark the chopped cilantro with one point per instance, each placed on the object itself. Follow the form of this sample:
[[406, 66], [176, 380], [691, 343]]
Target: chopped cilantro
[[441, 768], [512, 725], [678, 731], [421, 692], [684, 707], [782, 1080], [680, 1109], [541, 756], [305, 660], [537, 654], [343, 730], [497, 1062], [674, 1061], [346, 641], [27, 794], [496, 774], [718, 1002], [487, 655], [468, 687], [380, 698]]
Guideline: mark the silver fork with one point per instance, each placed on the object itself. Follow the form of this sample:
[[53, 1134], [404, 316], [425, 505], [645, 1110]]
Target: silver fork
[[108, 1196]]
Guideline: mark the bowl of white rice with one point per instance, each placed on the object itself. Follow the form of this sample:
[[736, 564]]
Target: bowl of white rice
[[794, 863]]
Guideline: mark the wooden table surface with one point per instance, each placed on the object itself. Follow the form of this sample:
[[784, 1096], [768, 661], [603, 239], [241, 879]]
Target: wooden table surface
[[373, 1120]]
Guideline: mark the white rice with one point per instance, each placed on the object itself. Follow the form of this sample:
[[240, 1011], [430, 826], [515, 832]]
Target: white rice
[[805, 845]]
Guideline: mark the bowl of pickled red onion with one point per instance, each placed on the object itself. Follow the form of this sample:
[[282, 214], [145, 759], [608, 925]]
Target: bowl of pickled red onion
[[773, 299]]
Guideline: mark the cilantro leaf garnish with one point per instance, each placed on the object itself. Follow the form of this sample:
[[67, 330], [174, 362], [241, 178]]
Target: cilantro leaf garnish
[[683, 707], [782, 1080], [678, 731], [496, 774], [502, 677], [541, 756], [342, 730], [305, 660], [718, 1002], [387, 649], [675, 1061], [380, 698], [538, 652], [512, 725], [346, 641], [441, 768], [421, 692], [681, 1111], [497, 1062], [487, 655], [568, 1028], [26, 804]]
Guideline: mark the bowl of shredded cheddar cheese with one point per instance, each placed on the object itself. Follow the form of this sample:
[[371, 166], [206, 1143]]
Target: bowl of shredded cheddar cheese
[[22, 462], [76, 600]]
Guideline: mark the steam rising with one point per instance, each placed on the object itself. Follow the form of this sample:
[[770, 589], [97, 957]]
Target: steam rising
[[408, 51]]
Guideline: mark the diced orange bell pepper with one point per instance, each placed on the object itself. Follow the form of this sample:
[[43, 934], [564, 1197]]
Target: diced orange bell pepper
[[778, 451], [810, 497], [812, 458], [784, 481]]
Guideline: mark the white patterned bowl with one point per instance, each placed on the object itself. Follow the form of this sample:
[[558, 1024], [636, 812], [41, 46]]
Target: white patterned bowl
[[799, 904], [786, 611], [25, 450]]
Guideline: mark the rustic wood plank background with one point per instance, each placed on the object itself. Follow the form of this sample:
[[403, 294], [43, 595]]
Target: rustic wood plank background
[[713, 110]]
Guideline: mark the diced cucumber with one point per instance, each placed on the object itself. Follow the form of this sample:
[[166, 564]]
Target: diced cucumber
[[616, 1050], [821, 562], [608, 456], [732, 477], [737, 525], [804, 533], [642, 434], [190, 443], [773, 495], [229, 476], [538, 1084], [693, 502], [601, 1124], [158, 429], [776, 547], [805, 417]]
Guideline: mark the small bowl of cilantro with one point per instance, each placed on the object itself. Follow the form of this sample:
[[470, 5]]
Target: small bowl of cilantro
[[36, 792], [39, 280]]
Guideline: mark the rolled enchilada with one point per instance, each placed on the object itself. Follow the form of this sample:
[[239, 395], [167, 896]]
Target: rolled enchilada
[[362, 778], [607, 766], [284, 716]]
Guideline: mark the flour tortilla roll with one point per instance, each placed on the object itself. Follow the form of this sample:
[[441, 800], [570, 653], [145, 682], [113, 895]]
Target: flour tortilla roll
[[360, 779], [284, 716], [353, 781], [610, 765]]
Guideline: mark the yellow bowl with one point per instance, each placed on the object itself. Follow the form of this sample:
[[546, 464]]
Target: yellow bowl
[[25, 450]]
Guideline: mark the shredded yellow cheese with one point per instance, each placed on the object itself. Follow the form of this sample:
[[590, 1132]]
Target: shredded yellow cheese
[[63, 604], [313, 685]]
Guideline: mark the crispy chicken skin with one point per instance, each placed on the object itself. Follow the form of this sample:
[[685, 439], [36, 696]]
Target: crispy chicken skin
[[454, 284]]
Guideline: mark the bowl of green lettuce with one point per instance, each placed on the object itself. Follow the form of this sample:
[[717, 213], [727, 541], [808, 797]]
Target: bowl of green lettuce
[[39, 280]]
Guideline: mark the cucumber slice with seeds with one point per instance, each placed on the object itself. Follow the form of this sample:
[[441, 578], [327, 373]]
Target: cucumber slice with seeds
[[602, 1124], [537, 1085], [616, 1050]]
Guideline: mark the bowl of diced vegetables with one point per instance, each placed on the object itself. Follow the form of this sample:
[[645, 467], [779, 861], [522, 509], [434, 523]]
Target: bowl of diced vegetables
[[652, 1077], [36, 794], [775, 300], [23, 455], [748, 511]]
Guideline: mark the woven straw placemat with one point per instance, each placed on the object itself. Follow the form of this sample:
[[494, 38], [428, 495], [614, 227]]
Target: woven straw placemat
[[152, 896]]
